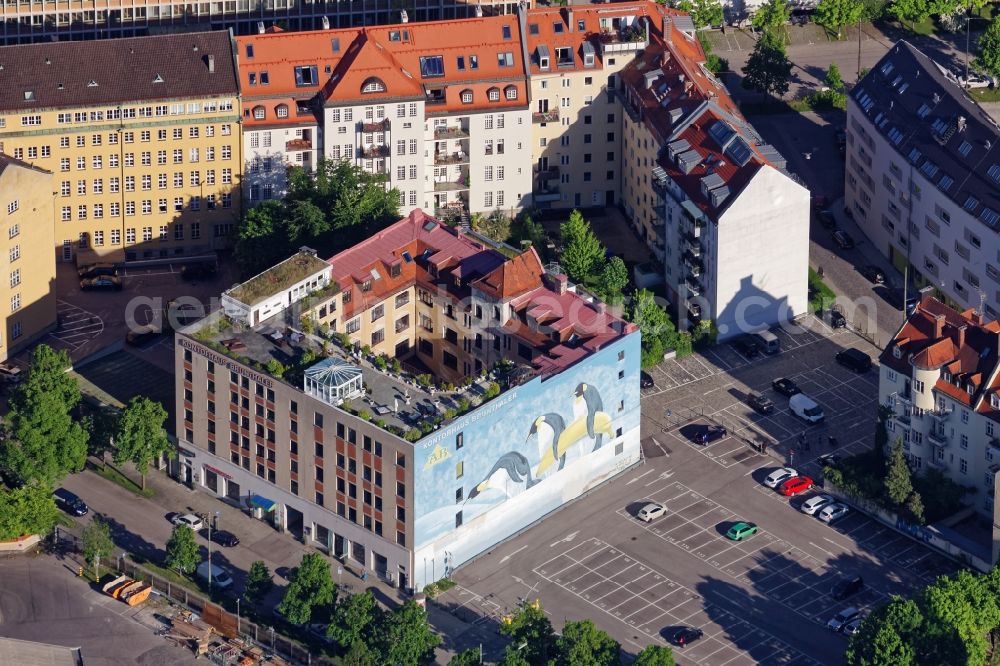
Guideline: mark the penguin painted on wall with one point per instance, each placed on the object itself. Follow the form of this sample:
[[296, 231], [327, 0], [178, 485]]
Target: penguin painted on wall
[[587, 396], [549, 429], [511, 474]]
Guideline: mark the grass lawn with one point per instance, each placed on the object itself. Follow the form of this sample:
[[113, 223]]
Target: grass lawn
[[113, 475], [925, 27], [168, 574], [985, 94], [820, 295]]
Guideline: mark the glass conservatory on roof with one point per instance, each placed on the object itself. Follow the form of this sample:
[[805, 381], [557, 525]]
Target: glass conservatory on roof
[[333, 380]]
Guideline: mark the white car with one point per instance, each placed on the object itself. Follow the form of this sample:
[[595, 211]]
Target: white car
[[838, 621], [851, 627], [10, 373], [651, 511], [833, 512], [189, 519], [814, 504], [779, 475], [974, 81]]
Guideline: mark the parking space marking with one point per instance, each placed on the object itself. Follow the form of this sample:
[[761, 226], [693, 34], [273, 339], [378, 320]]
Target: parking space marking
[[650, 627], [76, 326]]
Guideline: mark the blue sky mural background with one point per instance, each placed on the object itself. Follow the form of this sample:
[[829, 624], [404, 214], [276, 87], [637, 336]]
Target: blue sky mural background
[[487, 438]]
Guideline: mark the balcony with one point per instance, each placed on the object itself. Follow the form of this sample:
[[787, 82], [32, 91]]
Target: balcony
[[451, 133], [937, 438], [693, 264], [545, 116], [298, 145], [939, 415], [692, 247], [693, 286], [547, 194], [660, 187], [461, 183], [623, 40], [547, 173], [451, 158], [937, 462], [374, 152], [380, 126]]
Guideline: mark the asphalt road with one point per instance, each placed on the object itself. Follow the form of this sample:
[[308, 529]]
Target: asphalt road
[[763, 601], [42, 600]]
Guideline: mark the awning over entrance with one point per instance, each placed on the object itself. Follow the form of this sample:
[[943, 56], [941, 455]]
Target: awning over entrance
[[262, 503]]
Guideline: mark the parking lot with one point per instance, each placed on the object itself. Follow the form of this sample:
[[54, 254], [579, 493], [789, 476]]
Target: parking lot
[[766, 599]]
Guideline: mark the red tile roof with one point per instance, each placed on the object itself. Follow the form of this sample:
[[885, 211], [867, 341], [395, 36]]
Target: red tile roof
[[513, 277]]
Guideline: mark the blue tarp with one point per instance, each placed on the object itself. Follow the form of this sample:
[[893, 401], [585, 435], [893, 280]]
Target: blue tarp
[[262, 502]]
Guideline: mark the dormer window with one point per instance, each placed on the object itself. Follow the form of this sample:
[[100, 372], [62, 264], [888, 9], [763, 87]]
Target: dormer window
[[259, 113], [543, 62], [466, 96], [510, 92], [897, 352], [493, 94], [373, 84], [945, 375], [995, 401], [366, 286], [971, 388], [281, 111]]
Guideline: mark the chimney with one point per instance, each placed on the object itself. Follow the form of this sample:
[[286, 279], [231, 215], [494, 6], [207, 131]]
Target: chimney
[[664, 59], [479, 11], [403, 16], [326, 23], [569, 19], [210, 61], [961, 123], [562, 283], [938, 326], [260, 27], [961, 337], [667, 35]]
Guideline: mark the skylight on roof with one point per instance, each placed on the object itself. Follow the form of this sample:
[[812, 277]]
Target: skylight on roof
[[915, 155], [902, 88], [994, 172], [722, 133], [990, 217], [895, 135], [929, 169], [407, 257], [375, 274], [946, 182], [739, 152], [886, 69], [431, 66], [970, 203], [429, 225], [965, 148], [923, 111]]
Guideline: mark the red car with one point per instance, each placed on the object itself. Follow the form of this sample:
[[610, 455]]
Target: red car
[[795, 485]]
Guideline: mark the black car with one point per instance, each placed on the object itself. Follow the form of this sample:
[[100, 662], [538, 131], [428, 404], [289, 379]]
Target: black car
[[874, 274], [142, 335], [760, 403], [785, 386], [645, 380], [854, 359], [198, 271], [69, 502], [97, 270], [836, 319], [747, 346], [710, 434], [826, 218], [828, 460], [224, 538], [685, 636], [847, 587], [843, 239], [101, 283]]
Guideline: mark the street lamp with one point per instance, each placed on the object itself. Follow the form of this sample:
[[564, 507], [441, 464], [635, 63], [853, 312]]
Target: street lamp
[[237, 616]]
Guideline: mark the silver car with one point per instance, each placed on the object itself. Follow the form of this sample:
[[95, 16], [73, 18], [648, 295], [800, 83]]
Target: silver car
[[189, 519], [778, 476], [651, 511], [838, 621], [833, 512], [851, 627], [814, 504]]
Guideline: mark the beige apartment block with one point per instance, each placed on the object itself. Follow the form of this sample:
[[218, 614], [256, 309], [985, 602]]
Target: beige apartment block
[[27, 294], [142, 137]]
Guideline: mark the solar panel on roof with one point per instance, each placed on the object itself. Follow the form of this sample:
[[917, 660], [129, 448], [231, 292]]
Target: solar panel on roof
[[739, 152]]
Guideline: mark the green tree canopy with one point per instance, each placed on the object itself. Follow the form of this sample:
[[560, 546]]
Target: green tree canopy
[[768, 68], [496, 225], [771, 16], [655, 655], [259, 583], [582, 254], [470, 657], [614, 278], [988, 59], [311, 588], [959, 611], [898, 485], [43, 441], [140, 437], [916, 11], [532, 638], [359, 654], [583, 644], [885, 637], [835, 14], [29, 509], [329, 209], [97, 543], [704, 13], [182, 550], [354, 618], [833, 79], [654, 323], [406, 637]]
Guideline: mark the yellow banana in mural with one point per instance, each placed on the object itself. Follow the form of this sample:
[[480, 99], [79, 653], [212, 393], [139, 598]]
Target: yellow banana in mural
[[563, 438]]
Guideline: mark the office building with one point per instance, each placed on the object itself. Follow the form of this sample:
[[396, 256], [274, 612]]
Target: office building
[[409, 403], [923, 178], [28, 291], [142, 137]]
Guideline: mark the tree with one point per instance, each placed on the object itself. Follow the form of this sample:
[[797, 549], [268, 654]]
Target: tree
[[835, 14], [916, 11], [43, 441], [470, 657], [406, 637], [97, 544], [353, 618], [988, 59], [884, 637], [655, 325], [898, 485], [704, 13], [140, 438], [311, 588], [29, 509], [583, 644], [614, 278], [359, 654], [884, 413], [915, 507], [655, 655], [182, 550], [582, 252], [833, 80], [959, 611], [258, 243], [259, 583], [531, 634], [101, 429], [496, 225], [771, 16], [768, 68], [526, 229]]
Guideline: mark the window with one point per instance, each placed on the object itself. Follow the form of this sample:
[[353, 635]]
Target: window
[[306, 75], [431, 66], [505, 59], [466, 97], [510, 92]]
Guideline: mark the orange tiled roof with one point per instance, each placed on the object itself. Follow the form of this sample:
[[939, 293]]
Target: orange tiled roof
[[513, 277]]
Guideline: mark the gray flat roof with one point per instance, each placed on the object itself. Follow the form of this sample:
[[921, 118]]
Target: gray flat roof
[[30, 653]]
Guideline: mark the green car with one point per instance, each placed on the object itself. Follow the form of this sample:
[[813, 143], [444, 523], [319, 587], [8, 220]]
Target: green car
[[741, 530]]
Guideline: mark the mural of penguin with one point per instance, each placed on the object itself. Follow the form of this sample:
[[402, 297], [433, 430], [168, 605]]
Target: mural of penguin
[[587, 396], [549, 429], [511, 474]]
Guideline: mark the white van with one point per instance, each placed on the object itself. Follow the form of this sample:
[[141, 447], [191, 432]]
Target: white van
[[805, 408], [220, 577], [768, 341]]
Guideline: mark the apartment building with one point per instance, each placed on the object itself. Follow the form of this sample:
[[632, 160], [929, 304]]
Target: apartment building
[[941, 376], [923, 178], [26, 22], [28, 294], [406, 478], [142, 136], [715, 204], [575, 56]]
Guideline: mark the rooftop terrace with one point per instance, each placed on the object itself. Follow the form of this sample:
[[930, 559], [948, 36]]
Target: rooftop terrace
[[278, 278]]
